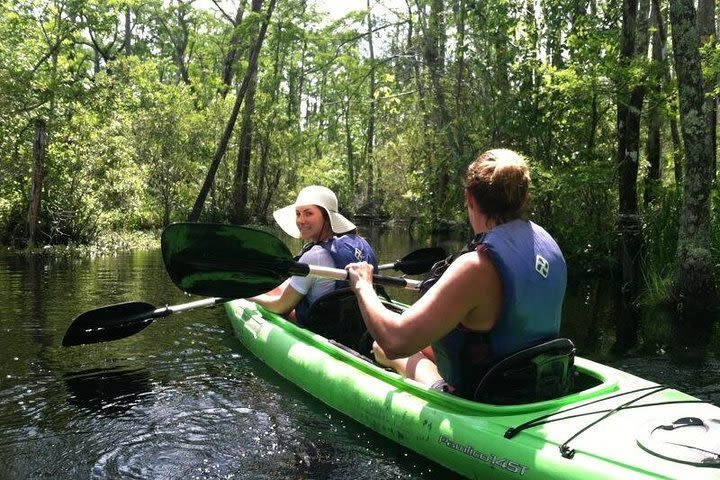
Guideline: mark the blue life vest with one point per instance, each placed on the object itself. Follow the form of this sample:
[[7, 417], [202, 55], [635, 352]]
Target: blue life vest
[[534, 276], [345, 249]]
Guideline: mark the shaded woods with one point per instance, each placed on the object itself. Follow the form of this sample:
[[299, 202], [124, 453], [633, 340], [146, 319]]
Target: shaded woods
[[131, 115]]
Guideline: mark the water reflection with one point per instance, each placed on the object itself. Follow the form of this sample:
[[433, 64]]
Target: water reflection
[[107, 391], [692, 332]]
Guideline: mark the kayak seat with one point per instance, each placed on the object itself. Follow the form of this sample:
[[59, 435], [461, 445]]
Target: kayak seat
[[541, 372], [336, 316]]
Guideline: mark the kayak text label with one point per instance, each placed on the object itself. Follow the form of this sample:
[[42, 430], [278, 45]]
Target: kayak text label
[[510, 466]]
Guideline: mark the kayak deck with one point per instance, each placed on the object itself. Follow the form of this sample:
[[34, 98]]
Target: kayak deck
[[602, 430]]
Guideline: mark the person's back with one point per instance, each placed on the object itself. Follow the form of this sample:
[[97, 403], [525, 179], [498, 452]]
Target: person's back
[[530, 307], [489, 302]]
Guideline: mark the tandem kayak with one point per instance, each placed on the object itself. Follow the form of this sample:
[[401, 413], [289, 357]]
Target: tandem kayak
[[613, 425]]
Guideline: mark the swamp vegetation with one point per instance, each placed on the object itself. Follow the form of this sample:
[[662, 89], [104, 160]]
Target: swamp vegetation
[[125, 116]]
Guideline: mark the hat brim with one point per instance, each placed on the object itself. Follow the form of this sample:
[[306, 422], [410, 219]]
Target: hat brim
[[285, 218], [339, 223]]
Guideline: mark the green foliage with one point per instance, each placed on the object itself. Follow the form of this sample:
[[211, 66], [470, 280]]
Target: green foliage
[[577, 207], [660, 228], [132, 129]]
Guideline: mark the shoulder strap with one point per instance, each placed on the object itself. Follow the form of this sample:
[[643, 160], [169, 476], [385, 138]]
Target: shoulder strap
[[304, 249], [439, 268]]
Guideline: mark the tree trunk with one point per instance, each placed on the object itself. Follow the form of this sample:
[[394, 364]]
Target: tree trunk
[[230, 60], [677, 147], [242, 167], [461, 13], [434, 42], [222, 146], [180, 42], [708, 38], [38, 176], [694, 287], [370, 135], [266, 186], [654, 146], [127, 44], [350, 150], [633, 43]]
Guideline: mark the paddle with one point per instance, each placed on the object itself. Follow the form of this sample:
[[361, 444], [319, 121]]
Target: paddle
[[238, 262], [417, 262], [122, 320]]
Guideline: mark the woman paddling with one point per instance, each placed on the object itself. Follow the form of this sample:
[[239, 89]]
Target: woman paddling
[[332, 242], [502, 296]]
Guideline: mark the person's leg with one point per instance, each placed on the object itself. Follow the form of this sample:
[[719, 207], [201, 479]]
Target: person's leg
[[418, 366]]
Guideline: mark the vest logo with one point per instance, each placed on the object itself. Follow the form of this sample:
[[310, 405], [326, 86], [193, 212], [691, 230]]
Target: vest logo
[[542, 266], [359, 255]]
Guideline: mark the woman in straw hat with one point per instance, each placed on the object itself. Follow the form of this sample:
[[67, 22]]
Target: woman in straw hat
[[332, 242], [505, 294]]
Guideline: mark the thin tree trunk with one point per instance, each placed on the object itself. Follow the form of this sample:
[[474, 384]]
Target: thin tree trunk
[[412, 46], [180, 43], [38, 177], [677, 147], [231, 56], [229, 127], [349, 147], [265, 188], [370, 135], [434, 39], [708, 38], [128, 31], [654, 146], [461, 13], [242, 167], [633, 43], [694, 284]]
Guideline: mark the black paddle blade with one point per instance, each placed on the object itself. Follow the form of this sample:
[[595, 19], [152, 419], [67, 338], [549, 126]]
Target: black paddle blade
[[109, 323], [420, 261], [225, 260]]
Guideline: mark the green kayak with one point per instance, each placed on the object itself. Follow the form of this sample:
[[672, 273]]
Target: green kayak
[[613, 425]]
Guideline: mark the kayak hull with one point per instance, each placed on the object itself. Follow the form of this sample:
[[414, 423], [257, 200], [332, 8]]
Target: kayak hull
[[601, 432]]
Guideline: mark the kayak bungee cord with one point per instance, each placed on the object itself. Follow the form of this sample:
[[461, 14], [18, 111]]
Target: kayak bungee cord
[[511, 432], [568, 452], [598, 412]]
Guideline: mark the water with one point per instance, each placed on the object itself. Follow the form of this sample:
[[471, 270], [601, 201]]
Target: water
[[183, 398]]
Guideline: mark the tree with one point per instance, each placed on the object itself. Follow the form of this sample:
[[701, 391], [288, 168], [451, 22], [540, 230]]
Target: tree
[[38, 175], [229, 127], [370, 132], [706, 24], [694, 285], [242, 166], [634, 44]]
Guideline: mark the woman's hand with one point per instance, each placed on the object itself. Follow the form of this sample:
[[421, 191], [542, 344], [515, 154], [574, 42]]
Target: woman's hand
[[360, 275]]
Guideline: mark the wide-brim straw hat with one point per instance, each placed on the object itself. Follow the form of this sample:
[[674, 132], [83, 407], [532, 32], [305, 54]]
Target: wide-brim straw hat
[[323, 197]]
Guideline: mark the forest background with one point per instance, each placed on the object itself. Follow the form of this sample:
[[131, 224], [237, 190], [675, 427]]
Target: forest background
[[126, 115]]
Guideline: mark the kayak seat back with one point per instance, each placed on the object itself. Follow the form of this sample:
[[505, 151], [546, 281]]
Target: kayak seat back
[[541, 372], [336, 316]]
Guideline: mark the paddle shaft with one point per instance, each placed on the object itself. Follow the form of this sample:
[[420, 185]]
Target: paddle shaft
[[303, 269], [170, 309], [416, 262]]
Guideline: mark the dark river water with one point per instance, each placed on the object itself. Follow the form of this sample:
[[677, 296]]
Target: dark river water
[[183, 399]]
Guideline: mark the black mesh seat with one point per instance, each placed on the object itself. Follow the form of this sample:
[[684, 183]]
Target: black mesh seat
[[337, 317], [541, 372]]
